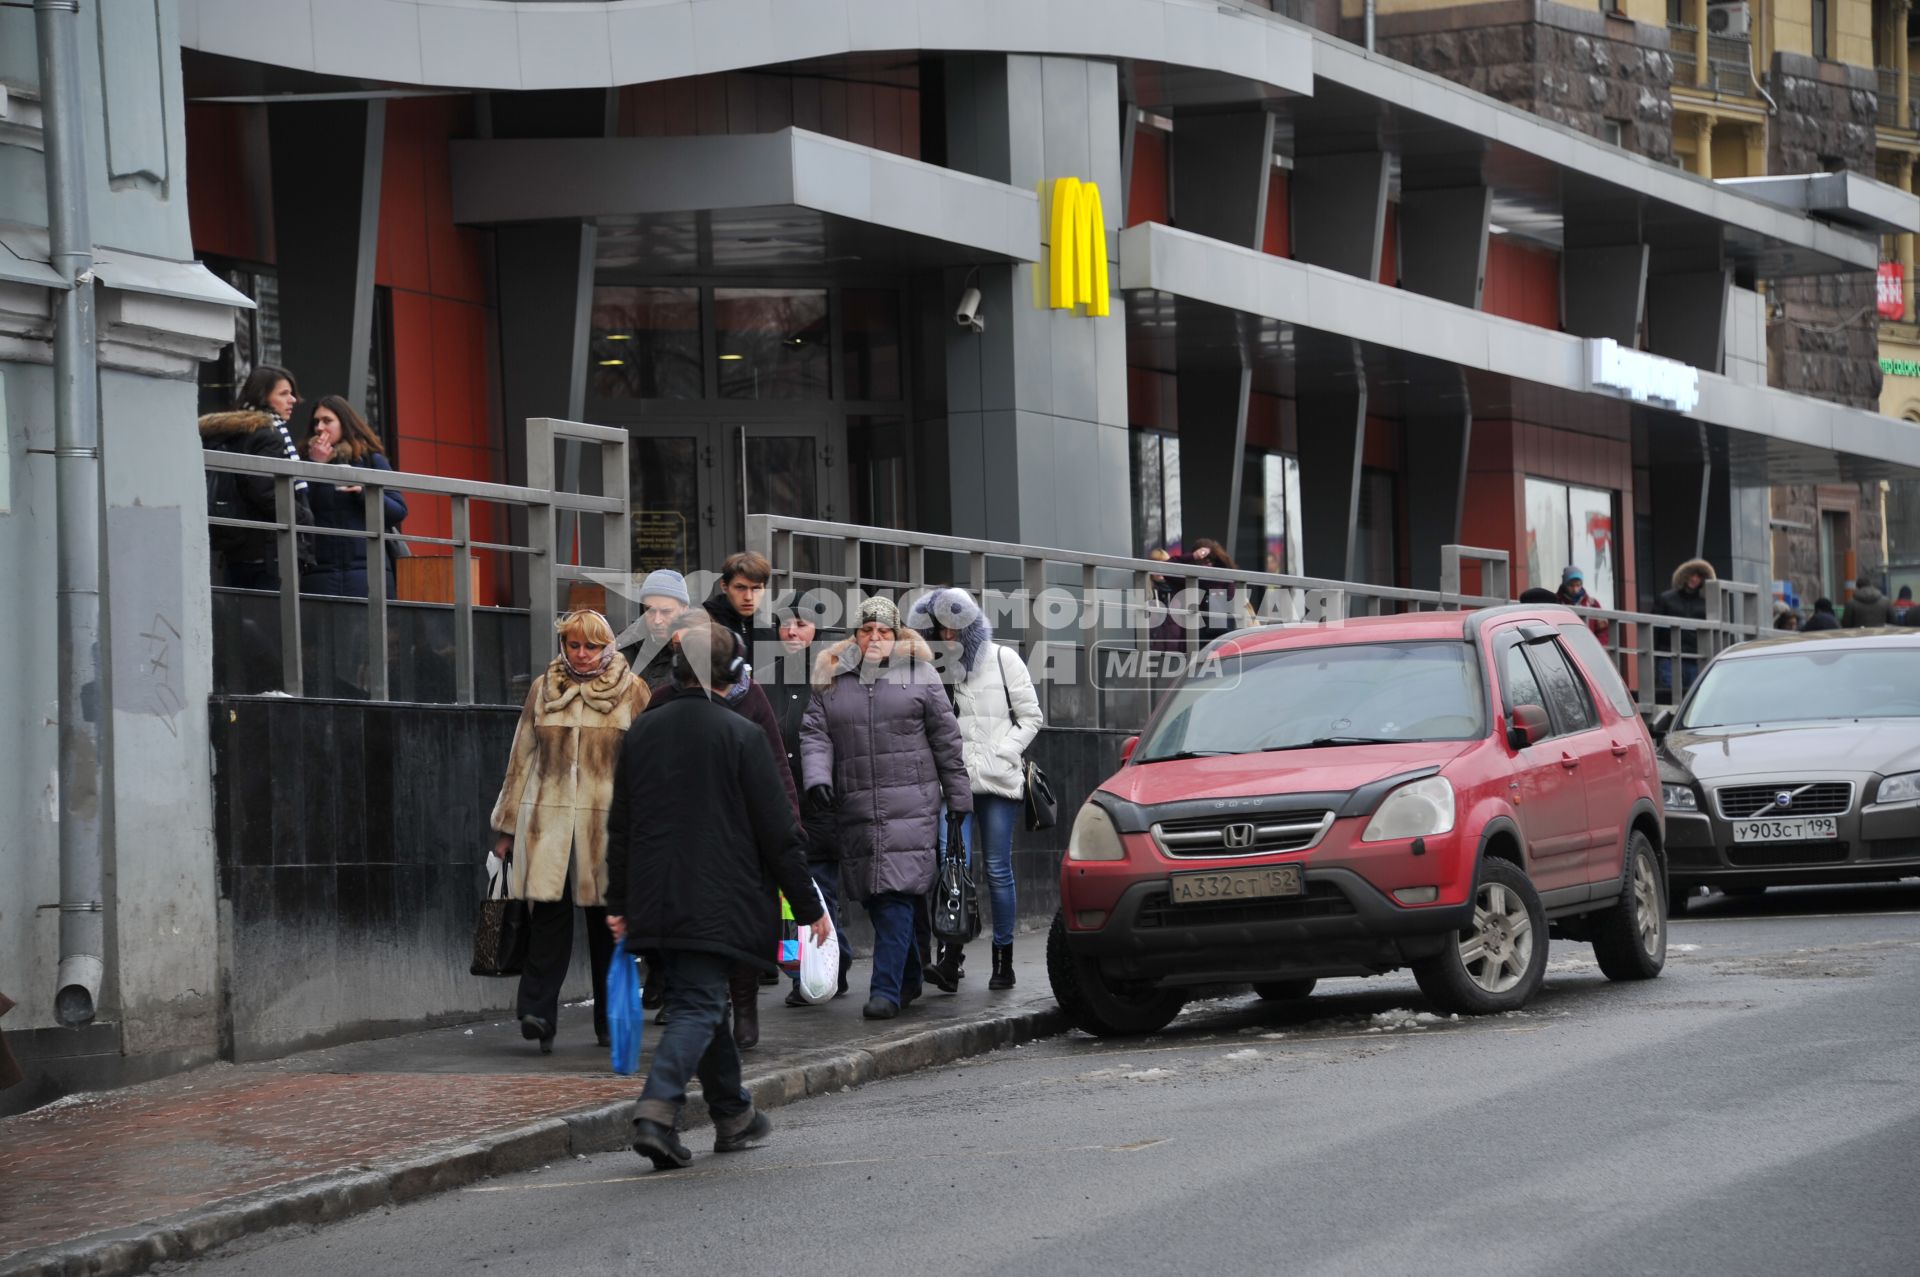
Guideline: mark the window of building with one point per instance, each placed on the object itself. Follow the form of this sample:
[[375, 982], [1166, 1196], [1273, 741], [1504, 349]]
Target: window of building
[[1820, 22], [880, 482], [772, 343], [870, 342], [1836, 543], [379, 410], [1156, 492], [1571, 525], [256, 333], [645, 344], [1269, 534], [1377, 528], [1613, 132]]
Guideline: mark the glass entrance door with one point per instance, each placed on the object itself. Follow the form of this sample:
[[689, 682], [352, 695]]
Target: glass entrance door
[[694, 483]]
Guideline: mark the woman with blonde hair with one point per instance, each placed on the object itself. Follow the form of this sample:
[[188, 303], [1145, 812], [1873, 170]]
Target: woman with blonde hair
[[552, 812]]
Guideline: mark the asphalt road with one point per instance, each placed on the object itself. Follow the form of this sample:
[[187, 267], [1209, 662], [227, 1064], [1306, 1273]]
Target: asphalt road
[[1753, 1111]]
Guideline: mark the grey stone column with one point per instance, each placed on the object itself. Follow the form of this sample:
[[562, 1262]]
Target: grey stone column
[[1443, 242], [1437, 434], [1340, 211], [1213, 447], [1332, 417], [1037, 403]]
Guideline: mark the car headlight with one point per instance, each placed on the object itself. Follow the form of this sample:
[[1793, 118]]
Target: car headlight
[[1094, 837], [1903, 788], [1418, 809], [1679, 798]]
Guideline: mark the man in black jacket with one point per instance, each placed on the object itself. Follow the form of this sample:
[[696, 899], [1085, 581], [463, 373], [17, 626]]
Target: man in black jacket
[[736, 599], [698, 837]]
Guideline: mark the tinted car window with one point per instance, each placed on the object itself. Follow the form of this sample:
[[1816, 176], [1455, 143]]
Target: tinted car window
[[1340, 694], [1566, 692], [1593, 654], [1517, 680]]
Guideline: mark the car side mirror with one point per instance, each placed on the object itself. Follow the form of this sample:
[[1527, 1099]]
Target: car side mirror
[[1127, 747], [1527, 724], [1662, 724]]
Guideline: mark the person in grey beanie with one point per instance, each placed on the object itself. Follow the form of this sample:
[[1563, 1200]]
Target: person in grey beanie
[[663, 600]]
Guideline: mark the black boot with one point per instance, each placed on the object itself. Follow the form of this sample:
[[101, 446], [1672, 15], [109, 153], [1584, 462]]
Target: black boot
[[1002, 967], [944, 975], [743, 987]]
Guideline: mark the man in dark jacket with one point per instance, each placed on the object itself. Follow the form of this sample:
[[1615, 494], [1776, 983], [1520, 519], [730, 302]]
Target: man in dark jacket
[[789, 687], [735, 600], [1822, 618], [1687, 599], [663, 601], [697, 842], [1869, 609]]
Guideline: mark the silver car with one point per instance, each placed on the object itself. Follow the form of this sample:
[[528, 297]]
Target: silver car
[[1795, 760]]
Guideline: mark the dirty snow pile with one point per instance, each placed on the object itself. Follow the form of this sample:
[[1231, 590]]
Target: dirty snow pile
[[1401, 1018]]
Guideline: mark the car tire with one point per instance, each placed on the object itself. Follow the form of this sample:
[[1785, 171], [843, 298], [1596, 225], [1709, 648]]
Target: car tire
[[1500, 958], [1284, 990], [1630, 939], [1090, 1003]]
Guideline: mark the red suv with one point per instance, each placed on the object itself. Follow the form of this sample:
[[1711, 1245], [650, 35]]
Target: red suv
[[1433, 791]]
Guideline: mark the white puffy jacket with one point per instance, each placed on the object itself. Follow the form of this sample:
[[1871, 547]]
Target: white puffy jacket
[[993, 741]]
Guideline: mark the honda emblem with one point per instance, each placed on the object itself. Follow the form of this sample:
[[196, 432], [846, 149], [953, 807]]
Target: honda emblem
[[1237, 837]]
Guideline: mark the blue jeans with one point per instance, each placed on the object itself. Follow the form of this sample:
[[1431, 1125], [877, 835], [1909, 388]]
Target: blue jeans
[[996, 815], [1663, 677], [896, 955], [696, 1040]]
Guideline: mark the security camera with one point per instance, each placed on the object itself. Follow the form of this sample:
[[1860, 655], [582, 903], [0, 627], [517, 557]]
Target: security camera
[[967, 315]]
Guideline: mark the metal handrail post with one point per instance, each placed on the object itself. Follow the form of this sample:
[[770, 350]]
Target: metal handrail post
[[376, 516], [544, 549], [463, 602], [292, 675]]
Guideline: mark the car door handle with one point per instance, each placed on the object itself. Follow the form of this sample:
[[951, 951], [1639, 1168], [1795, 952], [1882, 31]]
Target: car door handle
[[1619, 750], [1569, 762]]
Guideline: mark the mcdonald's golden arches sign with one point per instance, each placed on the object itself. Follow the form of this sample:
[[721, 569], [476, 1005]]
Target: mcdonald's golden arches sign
[[1077, 274]]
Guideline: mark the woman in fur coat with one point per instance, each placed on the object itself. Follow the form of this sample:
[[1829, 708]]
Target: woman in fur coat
[[999, 715], [552, 813], [879, 746]]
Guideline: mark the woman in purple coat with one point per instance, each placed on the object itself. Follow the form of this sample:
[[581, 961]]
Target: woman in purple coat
[[880, 746]]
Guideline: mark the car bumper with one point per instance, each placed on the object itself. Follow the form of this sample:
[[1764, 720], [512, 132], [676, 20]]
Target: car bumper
[[1342, 925], [1875, 842]]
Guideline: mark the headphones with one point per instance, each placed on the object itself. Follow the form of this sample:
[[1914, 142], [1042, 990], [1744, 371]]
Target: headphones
[[737, 666]]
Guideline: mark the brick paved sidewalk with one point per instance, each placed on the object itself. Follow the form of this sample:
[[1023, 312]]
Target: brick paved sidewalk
[[116, 1160]]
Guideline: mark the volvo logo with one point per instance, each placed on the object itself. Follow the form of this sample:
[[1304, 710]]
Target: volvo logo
[[1237, 836], [1783, 799]]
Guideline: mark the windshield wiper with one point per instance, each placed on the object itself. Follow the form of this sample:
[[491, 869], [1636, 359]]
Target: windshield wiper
[[1327, 742], [1189, 753]]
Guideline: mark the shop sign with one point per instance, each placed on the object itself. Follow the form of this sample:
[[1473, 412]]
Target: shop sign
[[1899, 367], [1641, 377], [1077, 273], [1891, 290]]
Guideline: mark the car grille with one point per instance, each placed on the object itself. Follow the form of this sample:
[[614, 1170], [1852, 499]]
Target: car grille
[[1816, 798], [1253, 835], [1770, 855], [1320, 901]]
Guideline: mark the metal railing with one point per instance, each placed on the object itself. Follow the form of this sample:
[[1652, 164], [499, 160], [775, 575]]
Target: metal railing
[[550, 564], [1113, 599], [1729, 62]]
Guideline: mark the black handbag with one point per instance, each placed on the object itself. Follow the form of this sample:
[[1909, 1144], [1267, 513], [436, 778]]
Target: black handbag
[[955, 897], [500, 936], [1041, 808]]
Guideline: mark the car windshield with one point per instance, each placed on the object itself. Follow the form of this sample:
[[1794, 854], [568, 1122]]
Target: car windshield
[[1801, 686], [1356, 694]]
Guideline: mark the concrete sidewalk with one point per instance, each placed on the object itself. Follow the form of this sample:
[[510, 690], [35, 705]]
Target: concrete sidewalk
[[115, 1182]]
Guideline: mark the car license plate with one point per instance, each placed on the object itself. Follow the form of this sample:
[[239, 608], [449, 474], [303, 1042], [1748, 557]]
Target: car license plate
[[1797, 829], [1238, 884]]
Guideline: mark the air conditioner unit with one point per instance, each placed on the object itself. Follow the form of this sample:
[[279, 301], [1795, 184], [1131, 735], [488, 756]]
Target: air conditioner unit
[[1733, 20]]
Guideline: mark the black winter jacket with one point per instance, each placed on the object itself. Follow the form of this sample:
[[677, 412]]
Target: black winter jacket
[[698, 838], [254, 433], [756, 709], [788, 687], [340, 563]]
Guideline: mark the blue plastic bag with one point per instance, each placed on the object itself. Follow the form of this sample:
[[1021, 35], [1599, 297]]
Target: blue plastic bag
[[624, 1017]]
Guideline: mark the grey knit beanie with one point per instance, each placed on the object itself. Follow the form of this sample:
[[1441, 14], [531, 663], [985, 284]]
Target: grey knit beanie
[[666, 583]]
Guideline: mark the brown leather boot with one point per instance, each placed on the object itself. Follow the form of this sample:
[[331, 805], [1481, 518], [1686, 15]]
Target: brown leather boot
[[743, 989]]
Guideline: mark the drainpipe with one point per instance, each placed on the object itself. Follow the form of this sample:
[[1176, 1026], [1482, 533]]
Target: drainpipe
[[1369, 38], [76, 408]]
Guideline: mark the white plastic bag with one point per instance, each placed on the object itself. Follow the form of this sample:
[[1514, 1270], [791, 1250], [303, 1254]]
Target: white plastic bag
[[819, 963]]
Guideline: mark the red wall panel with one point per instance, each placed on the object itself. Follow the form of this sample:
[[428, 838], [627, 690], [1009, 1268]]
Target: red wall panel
[[226, 197], [1147, 188], [1277, 236], [1522, 283], [1390, 247]]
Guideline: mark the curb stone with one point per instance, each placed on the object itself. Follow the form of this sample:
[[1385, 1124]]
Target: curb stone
[[338, 1195]]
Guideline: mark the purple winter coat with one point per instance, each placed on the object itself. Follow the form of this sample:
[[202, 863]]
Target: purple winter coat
[[888, 743]]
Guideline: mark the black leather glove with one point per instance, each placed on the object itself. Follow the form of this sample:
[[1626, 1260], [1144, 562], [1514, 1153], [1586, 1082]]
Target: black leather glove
[[821, 796], [956, 831]]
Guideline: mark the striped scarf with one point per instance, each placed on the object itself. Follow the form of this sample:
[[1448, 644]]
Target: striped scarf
[[286, 441]]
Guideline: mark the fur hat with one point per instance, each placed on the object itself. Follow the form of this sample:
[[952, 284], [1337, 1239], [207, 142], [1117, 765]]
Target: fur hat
[[881, 610], [954, 609]]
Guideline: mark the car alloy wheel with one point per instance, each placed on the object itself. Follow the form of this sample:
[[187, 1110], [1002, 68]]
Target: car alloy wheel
[[1498, 949], [1646, 899]]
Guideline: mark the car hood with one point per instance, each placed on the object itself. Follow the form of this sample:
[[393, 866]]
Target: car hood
[[1885, 745], [1337, 769]]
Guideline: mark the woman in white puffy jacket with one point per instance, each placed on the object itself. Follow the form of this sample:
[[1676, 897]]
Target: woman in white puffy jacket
[[999, 715]]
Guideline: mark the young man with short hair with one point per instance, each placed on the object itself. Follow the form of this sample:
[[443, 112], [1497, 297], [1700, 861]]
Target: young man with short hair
[[734, 603]]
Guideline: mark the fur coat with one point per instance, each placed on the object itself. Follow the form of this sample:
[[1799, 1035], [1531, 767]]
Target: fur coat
[[559, 783]]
